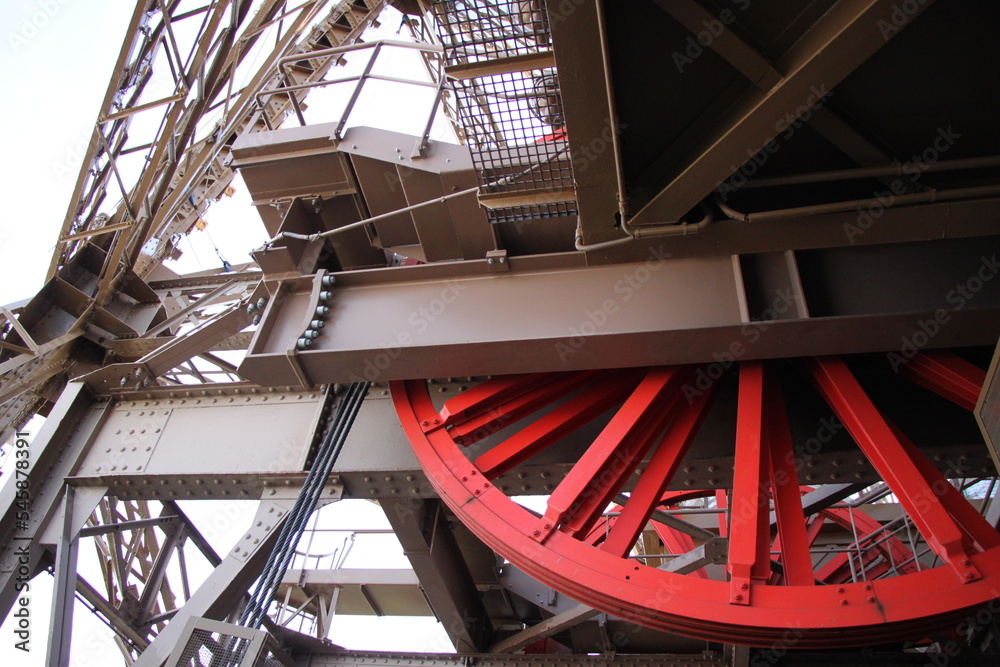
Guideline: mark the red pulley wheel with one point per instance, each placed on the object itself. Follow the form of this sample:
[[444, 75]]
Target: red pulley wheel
[[775, 579]]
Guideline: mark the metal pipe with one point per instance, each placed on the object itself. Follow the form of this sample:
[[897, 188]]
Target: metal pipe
[[356, 94], [343, 79], [646, 231], [375, 218], [841, 207], [871, 172]]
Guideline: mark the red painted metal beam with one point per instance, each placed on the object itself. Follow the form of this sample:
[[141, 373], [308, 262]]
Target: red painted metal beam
[[894, 463]]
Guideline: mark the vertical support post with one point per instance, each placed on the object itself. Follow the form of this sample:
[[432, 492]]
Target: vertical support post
[[61, 627]]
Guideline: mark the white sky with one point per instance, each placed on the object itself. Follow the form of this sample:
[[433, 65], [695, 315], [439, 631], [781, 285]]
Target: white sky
[[57, 56]]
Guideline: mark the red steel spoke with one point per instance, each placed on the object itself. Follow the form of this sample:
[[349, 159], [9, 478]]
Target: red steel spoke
[[585, 491], [657, 474], [890, 458], [792, 540], [486, 397], [471, 430], [579, 410], [946, 374], [604, 487], [968, 518], [812, 529], [722, 503], [899, 600], [749, 536]]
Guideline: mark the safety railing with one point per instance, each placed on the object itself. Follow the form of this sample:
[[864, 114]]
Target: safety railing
[[263, 98]]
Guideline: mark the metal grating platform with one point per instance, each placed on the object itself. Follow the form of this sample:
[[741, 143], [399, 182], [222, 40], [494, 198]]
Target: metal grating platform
[[499, 60]]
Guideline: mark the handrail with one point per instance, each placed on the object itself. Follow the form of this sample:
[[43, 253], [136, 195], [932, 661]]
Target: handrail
[[376, 47]]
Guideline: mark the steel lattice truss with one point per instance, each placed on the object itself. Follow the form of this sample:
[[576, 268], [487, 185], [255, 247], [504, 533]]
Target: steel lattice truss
[[688, 346]]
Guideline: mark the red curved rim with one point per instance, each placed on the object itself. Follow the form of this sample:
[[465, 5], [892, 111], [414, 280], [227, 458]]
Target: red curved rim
[[745, 609]]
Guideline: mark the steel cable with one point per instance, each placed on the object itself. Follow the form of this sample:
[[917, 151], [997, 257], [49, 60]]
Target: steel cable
[[288, 537]]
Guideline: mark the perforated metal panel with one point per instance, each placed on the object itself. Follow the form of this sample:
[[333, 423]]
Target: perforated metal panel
[[208, 643], [498, 57], [205, 648]]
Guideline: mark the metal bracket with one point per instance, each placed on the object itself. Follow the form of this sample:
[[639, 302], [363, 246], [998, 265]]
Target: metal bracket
[[496, 260]]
